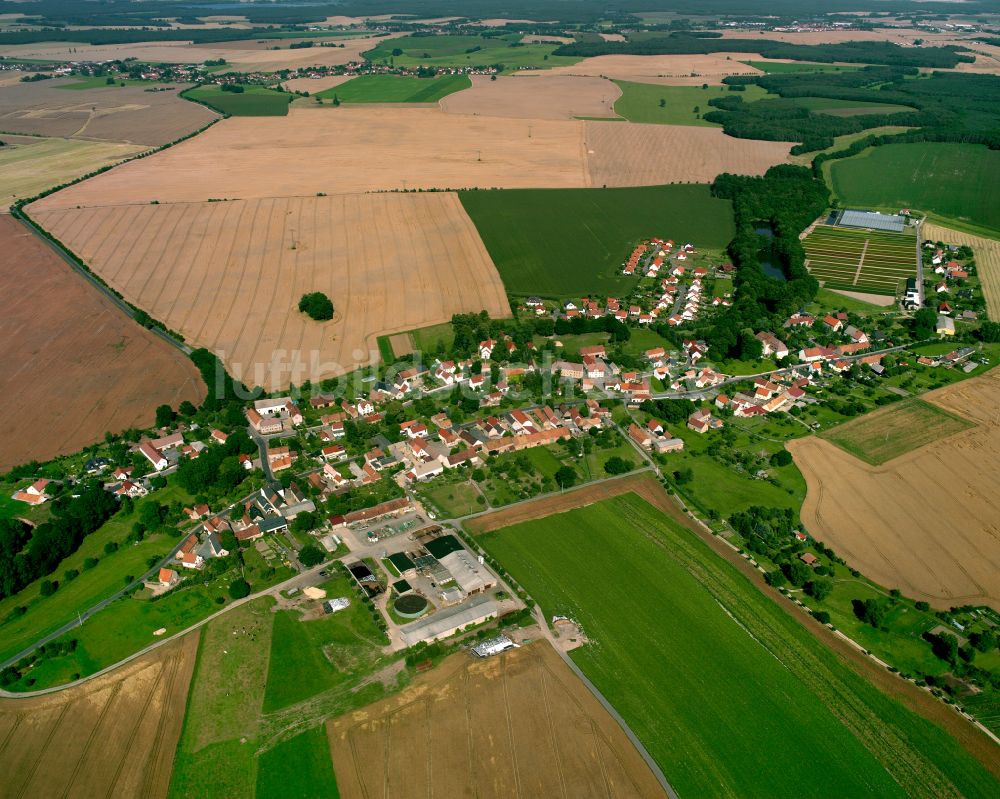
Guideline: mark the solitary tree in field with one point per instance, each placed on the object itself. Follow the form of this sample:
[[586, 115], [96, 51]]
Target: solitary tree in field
[[317, 306]]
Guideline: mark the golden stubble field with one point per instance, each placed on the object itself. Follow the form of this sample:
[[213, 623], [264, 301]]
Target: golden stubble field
[[668, 70], [520, 724], [241, 55], [346, 150], [228, 275], [927, 522], [535, 97], [987, 252], [112, 736]]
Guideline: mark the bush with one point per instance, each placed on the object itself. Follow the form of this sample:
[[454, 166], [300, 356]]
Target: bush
[[239, 588], [311, 555], [316, 306], [47, 587], [781, 458], [616, 465]]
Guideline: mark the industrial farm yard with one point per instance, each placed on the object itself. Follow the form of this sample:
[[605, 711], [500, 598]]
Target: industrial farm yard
[[907, 523], [290, 156], [518, 724], [65, 340], [114, 735], [228, 275]]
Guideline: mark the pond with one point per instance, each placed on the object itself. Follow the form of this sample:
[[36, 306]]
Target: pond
[[772, 271]]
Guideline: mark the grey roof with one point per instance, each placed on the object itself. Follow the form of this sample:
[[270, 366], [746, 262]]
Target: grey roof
[[873, 220], [272, 523]]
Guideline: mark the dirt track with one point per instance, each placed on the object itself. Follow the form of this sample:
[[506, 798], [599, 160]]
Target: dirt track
[[73, 366], [228, 276], [987, 252], [535, 97], [519, 724], [113, 736], [927, 522], [114, 113]]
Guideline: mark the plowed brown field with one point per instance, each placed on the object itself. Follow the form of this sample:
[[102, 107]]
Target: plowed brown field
[[114, 113], [927, 522], [987, 252], [625, 154], [112, 736], [228, 276], [73, 366], [520, 724], [535, 97]]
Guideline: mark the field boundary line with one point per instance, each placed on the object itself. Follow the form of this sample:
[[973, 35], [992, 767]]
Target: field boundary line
[[861, 263]]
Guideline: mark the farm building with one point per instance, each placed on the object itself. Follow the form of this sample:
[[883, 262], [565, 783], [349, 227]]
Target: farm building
[[872, 220], [472, 577], [448, 622], [493, 646], [403, 564]]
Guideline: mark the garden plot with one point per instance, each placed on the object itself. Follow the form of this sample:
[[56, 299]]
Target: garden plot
[[857, 260]]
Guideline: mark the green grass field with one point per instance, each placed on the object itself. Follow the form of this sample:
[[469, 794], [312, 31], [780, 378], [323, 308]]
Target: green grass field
[[566, 243], [730, 695], [298, 768], [886, 434], [45, 614], [777, 67], [826, 301], [848, 108], [254, 101], [396, 89], [300, 669], [458, 51], [960, 181], [682, 105], [450, 498], [870, 261]]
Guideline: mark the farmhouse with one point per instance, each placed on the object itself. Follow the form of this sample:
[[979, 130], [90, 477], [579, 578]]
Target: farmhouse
[[771, 345], [153, 455]]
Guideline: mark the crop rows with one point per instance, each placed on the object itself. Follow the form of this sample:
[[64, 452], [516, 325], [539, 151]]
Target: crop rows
[[869, 261]]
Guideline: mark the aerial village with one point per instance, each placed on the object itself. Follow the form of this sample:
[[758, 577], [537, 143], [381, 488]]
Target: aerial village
[[354, 475]]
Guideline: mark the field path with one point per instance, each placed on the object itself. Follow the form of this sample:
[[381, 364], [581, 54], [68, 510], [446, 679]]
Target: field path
[[861, 263]]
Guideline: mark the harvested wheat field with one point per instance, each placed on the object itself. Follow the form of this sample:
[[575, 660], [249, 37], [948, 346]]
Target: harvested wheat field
[[241, 55], [520, 724], [314, 85], [669, 70], [111, 736], [114, 113], [376, 148], [627, 154], [535, 97], [987, 252], [73, 366], [229, 275], [927, 522], [32, 164], [400, 148]]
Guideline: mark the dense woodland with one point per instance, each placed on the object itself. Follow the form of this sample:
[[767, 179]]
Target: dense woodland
[[947, 107], [850, 52]]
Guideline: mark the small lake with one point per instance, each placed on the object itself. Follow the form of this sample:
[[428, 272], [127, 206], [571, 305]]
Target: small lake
[[772, 271], [764, 229]]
